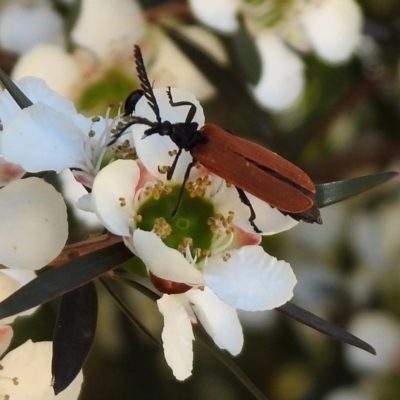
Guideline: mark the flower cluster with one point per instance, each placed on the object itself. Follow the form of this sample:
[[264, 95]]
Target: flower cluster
[[332, 28], [207, 260]]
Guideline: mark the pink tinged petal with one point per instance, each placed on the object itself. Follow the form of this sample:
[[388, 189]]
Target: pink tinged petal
[[113, 195], [30, 364], [164, 262], [334, 28], [109, 27], [9, 172], [41, 24], [6, 334], [282, 77], [37, 91], [251, 279], [153, 150], [177, 336], [243, 238], [219, 319], [34, 226], [53, 64], [219, 15], [39, 138]]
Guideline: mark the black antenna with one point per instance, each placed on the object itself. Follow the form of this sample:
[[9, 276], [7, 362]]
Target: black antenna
[[145, 83]]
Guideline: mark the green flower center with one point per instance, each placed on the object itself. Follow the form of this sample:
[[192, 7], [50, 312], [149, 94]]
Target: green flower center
[[189, 226]]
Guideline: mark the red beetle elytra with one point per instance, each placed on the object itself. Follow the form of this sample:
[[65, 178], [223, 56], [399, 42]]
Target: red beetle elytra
[[249, 167]]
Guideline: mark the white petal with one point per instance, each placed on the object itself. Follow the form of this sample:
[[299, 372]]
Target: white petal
[[164, 262], [334, 28], [177, 336], [30, 363], [34, 225], [40, 24], [6, 334], [113, 183], [74, 193], [10, 282], [269, 220], [54, 65], [282, 79], [219, 15], [40, 138], [107, 27], [219, 319], [251, 279], [153, 150], [37, 91]]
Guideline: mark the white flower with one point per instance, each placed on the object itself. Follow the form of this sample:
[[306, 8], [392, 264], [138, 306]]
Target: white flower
[[206, 260], [62, 71], [109, 28], [104, 34], [23, 27], [34, 227], [26, 374], [220, 15], [51, 134], [282, 79], [331, 27]]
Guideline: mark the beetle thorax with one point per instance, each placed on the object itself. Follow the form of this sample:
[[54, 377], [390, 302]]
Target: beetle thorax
[[186, 135]]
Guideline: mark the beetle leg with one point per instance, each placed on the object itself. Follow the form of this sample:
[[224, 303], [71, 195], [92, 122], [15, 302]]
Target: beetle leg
[[134, 121], [245, 200], [192, 110], [173, 166], [185, 178]]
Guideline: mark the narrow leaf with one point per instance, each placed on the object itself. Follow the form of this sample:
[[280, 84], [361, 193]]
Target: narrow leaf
[[63, 279], [246, 53], [125, 309], [319, 324], [73, 334], [14, 90], [334, 192], [227, 360]]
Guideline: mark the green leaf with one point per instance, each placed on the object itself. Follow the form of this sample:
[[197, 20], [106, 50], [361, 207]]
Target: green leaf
[[63, 279], [246, 54], [125, 309], [334, 192], [14, 90], [227, 360], [73, 334], [319, 324]]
